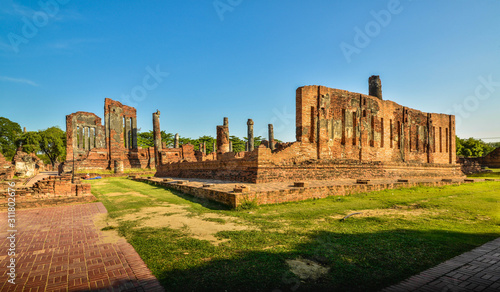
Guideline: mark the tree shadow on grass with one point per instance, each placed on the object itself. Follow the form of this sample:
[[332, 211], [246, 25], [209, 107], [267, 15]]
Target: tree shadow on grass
[[357, 262]]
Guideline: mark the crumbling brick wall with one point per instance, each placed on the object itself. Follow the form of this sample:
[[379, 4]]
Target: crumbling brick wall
[[27, 164], [347, 125], [340, 134], [470, 165], [492, 159], [6, 169], [60, 186], [97, 146]]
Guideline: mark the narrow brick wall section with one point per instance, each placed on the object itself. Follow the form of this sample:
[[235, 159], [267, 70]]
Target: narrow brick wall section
[[49, 191]]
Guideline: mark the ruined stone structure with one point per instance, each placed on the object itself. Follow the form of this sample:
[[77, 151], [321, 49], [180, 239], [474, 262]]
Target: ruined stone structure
[[49, 191], [340, 134], [492, 159], [6, 169], [26, 164], [114, 144], [97, 146]]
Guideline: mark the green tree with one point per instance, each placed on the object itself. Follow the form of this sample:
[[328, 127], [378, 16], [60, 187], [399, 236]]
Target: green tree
[[238, 144], [472, 147], [209, 140], [145, 139], [256, 141], [30, 142], [168, 138], [9, 134], [53, 144]]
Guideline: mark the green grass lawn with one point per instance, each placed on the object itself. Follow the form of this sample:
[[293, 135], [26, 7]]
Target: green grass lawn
[[398, 234], [494, 174]]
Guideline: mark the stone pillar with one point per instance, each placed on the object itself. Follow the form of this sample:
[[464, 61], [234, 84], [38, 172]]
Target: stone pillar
[[375, 86], [80, 138], [230, 146], [91, 138], [86, 139], [271, 136], [157, 135], [214, 147], [223, 142], [118, 166], [251, 144], [176, 141], [134, 133], [226, 121], [126, 135], [204, 149]]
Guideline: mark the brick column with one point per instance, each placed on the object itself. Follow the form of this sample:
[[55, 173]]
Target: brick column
[[134, 133], [176, 141], [157, 135], [271, 136], [223, 139], [251, 144]]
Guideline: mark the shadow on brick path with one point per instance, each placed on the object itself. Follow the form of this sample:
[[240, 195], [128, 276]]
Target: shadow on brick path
[[476, 270]]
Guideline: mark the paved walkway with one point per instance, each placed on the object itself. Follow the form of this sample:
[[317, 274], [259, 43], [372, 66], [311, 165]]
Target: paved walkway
[[476, 270], [61, 249]]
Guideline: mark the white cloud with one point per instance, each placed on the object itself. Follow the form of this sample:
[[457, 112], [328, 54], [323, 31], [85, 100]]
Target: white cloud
[[18, 80]]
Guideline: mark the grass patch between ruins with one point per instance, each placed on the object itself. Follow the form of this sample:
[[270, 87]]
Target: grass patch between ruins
[[195, 245], [495, 174]]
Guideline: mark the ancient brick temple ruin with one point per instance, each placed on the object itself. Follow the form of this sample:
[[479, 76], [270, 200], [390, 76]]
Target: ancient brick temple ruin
[[340, 134], [91, 145], [492, 159]]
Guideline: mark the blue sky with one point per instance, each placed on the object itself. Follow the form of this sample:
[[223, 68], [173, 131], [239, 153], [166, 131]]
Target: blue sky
[[199, 61]]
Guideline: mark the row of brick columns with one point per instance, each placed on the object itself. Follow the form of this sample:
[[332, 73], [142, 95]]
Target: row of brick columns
[[224, 143]]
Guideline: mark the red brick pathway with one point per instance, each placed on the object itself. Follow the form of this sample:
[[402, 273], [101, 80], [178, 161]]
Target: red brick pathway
[[476, 270], [60, 249]]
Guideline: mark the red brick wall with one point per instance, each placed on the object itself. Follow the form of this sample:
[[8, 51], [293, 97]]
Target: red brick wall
[[348, 125], [492, 159]]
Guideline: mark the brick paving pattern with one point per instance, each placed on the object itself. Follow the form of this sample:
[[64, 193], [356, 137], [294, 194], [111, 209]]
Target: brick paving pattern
[[60, 249], [477, 270]]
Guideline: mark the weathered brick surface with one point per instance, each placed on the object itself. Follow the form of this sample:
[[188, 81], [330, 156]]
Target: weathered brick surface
[[26, 164], [6, 169], [348, 125], [234, 195], [470, 165], [49, 191], [492, 159], [340, 134], [96, 146]]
